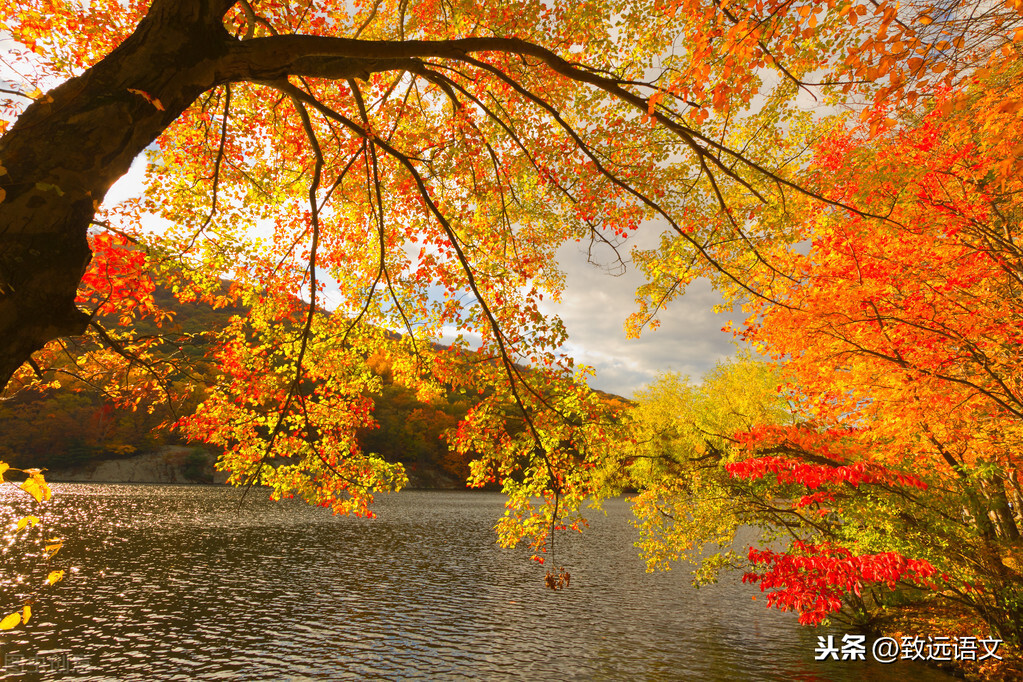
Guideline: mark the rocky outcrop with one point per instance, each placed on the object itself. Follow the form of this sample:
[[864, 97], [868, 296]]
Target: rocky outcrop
[[170, 464], [424, 478]]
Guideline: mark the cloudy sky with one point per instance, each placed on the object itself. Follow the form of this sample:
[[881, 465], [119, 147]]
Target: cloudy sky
[[594, 308]]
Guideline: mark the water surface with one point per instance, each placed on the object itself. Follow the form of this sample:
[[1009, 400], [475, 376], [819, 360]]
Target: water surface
[[189, 583]]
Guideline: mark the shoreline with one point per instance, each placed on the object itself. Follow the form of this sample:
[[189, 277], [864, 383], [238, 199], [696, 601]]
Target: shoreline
[[183, 465]]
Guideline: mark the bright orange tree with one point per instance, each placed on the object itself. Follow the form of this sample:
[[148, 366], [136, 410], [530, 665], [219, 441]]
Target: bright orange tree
[[429, 157], [900, 334]]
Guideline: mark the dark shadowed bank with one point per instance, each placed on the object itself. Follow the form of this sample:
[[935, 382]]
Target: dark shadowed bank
[[196, 465]]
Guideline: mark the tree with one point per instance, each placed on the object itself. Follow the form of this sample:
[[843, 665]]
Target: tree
[[922, 312], [898, 337], [688, 507], [428, 156]]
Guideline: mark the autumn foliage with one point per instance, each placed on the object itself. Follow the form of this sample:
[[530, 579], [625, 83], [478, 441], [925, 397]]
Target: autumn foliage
[[918, 309], [896, 330], [25, 543], [815, 579], [375, 177]]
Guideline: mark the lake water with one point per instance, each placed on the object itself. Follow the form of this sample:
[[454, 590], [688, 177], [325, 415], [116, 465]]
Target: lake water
[[191, 583]]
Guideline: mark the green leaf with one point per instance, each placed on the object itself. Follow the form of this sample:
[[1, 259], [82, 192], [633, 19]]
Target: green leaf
[[46, 186]]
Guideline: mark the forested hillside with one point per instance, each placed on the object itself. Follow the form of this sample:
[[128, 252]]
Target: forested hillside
[[59, 429]]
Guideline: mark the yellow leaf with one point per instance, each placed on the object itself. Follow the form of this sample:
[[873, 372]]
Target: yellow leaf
[[4, 466], [53, 549], [26, 521], [26, 613], [37, 476], [31, 487], [48, 186], [55, 576], [35, 485], [10, 622]]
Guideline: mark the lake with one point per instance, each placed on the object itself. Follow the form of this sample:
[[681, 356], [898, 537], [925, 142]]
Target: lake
[[192, 582]]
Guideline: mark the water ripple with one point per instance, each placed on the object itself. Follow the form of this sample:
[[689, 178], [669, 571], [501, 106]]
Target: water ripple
[[193, 583]]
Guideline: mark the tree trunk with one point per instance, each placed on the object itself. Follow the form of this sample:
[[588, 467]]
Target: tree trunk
[[68, 148], [1017, 494], [1001, 507]]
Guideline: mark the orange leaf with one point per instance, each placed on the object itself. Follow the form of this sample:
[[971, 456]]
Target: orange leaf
[[149, 98]]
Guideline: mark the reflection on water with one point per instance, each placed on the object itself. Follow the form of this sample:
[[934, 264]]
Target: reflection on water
[[182, 583]]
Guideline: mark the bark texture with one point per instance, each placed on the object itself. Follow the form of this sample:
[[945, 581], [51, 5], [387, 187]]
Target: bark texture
[[68, 148]]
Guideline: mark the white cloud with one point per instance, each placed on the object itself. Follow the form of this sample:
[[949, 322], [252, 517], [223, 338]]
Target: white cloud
[[595, 305]]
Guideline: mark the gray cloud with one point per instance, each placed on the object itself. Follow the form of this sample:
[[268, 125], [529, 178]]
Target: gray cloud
[[595, 305]]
